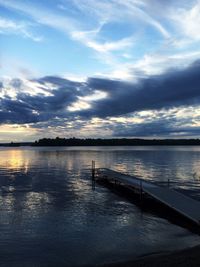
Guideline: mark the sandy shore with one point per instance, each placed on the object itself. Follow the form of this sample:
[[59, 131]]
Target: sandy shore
[[184, 258]]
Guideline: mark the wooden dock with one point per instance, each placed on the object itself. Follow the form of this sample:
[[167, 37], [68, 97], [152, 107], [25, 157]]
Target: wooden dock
[[176, 201]]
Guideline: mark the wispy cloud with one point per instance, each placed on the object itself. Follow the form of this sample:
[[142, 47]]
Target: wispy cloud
[[118, 10], [179, 36], [101, 13], [42, 15], [8, 26], [103, 47], [137, 9], [187, 21]]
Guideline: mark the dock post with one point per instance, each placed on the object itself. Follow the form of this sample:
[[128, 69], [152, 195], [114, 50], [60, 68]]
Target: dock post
[[141, 190], [93, 170]]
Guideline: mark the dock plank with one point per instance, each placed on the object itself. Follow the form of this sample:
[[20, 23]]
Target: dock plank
[[177, 201]]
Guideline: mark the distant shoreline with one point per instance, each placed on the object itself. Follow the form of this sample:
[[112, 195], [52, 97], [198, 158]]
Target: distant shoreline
[[106, 142]]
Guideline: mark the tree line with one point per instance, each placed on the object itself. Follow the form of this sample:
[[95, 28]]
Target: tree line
[[113, 142]]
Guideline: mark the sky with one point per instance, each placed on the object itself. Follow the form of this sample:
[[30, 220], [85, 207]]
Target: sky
[[99, 69]]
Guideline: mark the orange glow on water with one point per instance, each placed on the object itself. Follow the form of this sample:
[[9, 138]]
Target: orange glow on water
[[14, 159]]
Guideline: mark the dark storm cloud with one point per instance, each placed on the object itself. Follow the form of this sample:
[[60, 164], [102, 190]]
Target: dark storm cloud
[[27, 108], [159, 128], [60, 82], [173, 89]]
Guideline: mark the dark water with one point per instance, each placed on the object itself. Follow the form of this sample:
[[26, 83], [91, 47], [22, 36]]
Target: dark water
[[51, 216]]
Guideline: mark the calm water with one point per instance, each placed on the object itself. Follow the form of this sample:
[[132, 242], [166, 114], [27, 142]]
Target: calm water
[[51, 216]]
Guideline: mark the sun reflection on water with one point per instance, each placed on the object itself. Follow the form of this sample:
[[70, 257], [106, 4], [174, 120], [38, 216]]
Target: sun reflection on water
[[48, 201], [15, 160]]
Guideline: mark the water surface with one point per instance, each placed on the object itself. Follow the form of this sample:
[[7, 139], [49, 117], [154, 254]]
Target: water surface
[[51, 216]]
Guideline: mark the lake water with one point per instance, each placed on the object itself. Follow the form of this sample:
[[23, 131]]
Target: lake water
[[51, 216]]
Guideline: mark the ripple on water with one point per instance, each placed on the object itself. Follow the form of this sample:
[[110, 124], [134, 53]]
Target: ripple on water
[[52, 216]]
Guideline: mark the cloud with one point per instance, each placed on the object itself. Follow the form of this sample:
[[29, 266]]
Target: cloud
[[99, 14], [31, 108], [167, 128], [134, 8], [43, 15], [166, 38], [16, 83], [157, 127], [171, 89], [189, 25], [60, 104], [102, 47], [107, 11], [8, 26], [158, 63]]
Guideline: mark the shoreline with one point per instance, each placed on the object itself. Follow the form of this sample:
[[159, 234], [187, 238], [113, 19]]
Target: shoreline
[[189, 257]]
